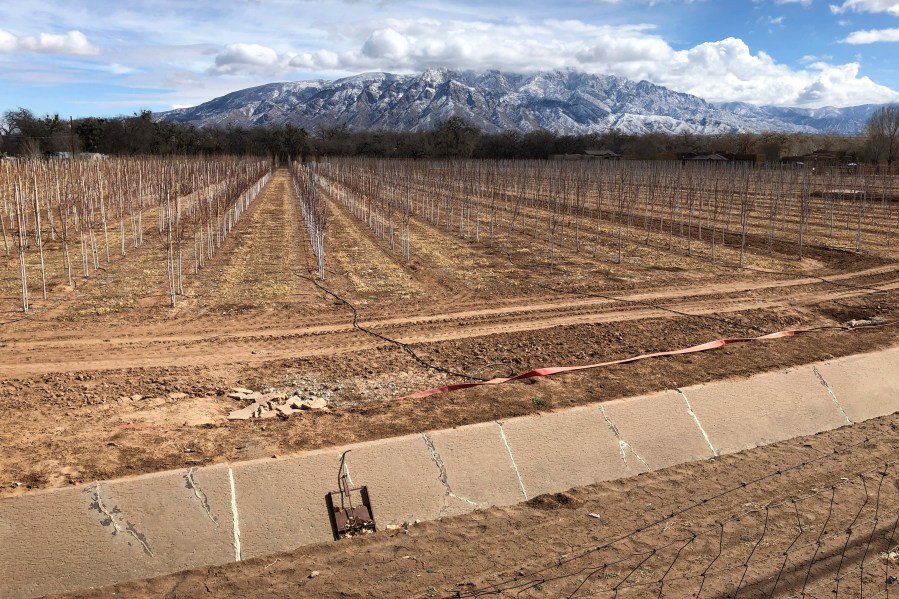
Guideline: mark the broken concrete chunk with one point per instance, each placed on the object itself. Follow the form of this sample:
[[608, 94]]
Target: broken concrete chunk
[[242, 414], [272, 404], [251, 411], [270, 397], [285, 409], [238, 415], [313, 404], [864, 322]]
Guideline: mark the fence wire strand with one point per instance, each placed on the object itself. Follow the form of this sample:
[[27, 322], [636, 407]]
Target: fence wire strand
[[793, 546]]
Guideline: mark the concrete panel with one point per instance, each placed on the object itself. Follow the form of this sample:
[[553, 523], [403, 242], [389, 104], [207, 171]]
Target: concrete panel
[[281, 503], [766, 408], [561, 450], [403, 479], [659, 428], [867, 385], [111, 532], [70, 539], [479, 468]]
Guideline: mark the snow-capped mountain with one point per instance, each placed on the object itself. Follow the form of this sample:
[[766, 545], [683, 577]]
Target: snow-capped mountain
[[564, 102], [848, 121]]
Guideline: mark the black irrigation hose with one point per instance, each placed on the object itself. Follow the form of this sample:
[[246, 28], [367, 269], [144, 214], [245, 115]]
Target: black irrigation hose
[[873, 290], [30, 314], [644, 303], [404, 346], [726, 321]]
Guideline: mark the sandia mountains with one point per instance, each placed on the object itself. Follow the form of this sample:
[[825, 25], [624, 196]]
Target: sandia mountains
[[564, 102]]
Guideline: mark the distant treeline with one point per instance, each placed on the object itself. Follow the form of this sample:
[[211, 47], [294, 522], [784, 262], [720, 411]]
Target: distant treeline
[[23, 133]]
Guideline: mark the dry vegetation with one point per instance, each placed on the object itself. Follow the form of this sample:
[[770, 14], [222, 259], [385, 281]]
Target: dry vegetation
[[66, 219]]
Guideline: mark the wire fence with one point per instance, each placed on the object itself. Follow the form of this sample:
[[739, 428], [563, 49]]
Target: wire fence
[[837, 539]]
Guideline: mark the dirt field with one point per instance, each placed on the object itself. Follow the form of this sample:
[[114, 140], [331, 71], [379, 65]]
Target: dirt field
[[105, 380]]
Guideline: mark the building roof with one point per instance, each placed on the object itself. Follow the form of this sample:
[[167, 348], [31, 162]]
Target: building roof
[[710, 157]]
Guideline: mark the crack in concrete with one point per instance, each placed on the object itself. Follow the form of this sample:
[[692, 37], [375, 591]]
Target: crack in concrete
[[192, 485], [234, 518], [623, 445], [831, 393], [113, 517], [442, 476], [696, 421], [502, 434]]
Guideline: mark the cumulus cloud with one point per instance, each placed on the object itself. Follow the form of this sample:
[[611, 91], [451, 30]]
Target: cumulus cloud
[[238, 58], [873, 6], [386, 43], [724, 70], [73, 42], [873, 36]]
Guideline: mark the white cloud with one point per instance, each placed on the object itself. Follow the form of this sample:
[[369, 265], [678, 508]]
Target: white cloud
[[192, 52], [119, 69], [237, 58], [724, 70], [386, 43], [873, 36], [73, 42], [874, 6], [809, 58]]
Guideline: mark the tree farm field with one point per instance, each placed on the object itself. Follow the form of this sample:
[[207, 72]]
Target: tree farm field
[[136, 294]]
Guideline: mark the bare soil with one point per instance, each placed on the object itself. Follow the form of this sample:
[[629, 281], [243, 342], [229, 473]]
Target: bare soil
[[103, 380]]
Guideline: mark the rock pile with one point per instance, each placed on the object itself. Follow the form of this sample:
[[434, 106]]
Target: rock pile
[[864, 322], [272, 405]]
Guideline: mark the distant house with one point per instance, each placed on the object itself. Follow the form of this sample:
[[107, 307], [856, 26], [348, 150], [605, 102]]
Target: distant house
[[719, 157], [58, 155], [588, 155], [603, 154], [820, 158], [566, 156]]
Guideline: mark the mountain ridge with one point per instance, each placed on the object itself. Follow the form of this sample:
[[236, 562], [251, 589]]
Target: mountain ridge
[[562, 102]]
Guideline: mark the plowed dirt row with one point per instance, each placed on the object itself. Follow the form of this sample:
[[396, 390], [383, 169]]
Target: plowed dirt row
[[144, 388], [257, 267], [32, 357]]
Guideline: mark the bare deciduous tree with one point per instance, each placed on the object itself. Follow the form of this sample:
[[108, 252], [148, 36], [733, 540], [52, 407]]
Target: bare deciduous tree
[[882, 131]]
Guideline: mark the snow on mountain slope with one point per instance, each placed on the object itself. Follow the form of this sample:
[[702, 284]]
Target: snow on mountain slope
[[564, 102]]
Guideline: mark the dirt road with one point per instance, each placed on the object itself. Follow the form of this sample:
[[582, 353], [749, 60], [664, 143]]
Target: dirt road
[[174, 345]]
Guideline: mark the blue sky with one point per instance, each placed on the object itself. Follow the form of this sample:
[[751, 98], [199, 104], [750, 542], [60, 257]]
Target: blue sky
[[98, 57]]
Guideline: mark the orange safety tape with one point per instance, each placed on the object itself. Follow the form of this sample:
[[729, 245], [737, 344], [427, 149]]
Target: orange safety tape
[[560, 369]]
